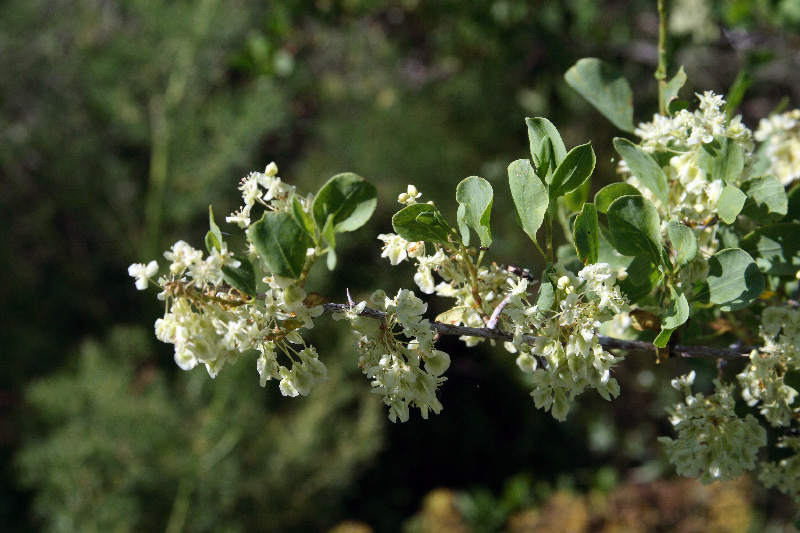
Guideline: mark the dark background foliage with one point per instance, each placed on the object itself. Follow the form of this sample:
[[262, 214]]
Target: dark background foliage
[[122, 120]]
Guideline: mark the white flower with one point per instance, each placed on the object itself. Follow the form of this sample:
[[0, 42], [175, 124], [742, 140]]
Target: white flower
[[143, 273], [394, 247], [410, 196], [182, 256]]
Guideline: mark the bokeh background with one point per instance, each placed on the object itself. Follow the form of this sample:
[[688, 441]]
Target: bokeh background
[[122, 120]]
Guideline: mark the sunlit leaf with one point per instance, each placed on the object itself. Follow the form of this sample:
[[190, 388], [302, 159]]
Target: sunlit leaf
[[734, 279], [730, 203], [474, 196], [529, 194], [644, 168], [418, 222], [349, 198], [605, 89], [611, 192]]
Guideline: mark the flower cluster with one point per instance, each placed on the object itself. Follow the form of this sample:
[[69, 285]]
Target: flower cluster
[[265, 188], [692, 196], [781, 137], [712, 443], [784, 474], [398, 354], [210, 323], [567, 338], [763, 379]]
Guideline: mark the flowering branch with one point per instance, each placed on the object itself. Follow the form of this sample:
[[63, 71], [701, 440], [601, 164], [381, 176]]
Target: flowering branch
[[701, 352]]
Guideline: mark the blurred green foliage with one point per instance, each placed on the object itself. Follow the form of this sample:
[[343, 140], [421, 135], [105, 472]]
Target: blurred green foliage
[[122, 120], [115, 447]]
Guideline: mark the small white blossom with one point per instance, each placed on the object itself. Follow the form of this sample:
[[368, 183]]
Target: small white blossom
[[182, 256], [394, 247], [143, 273]]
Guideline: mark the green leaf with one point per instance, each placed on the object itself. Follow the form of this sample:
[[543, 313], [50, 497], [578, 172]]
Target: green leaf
[[539, 129], [683, 242], [302, 218], [605, 89], [663, 338], [776, 248], [635, 227], [547, 160], [529, 194], [328, 232], [609, 193], [644, 167], [241, 278], [214, 236], [586, 235], [793, 209], [608, 254], [767, 201], [642, 277], [418, 222], [675, 106], [730, 203], [573, 170], [734, 280], [349, 198], [722, 159], [678, 310], [673, 86], [547, 295], [574, 200], [281, 243], [474, 196]]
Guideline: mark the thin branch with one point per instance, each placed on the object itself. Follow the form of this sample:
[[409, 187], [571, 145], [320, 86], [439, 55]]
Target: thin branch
[[609, 343]]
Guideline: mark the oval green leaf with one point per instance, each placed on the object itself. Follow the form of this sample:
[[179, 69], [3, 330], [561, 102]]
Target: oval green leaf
[[673, 86], [722, 159], [281, 243], [605, 89], [609, 193], [734, 279], [419, 222], [586, 235], [644, 167], [730, 204], [538, 130], [678, 310], [776, 248], [573, 170], [635, 227], [474, 196], [349, 198], [684, 242], [767, 201], [529, 194]]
